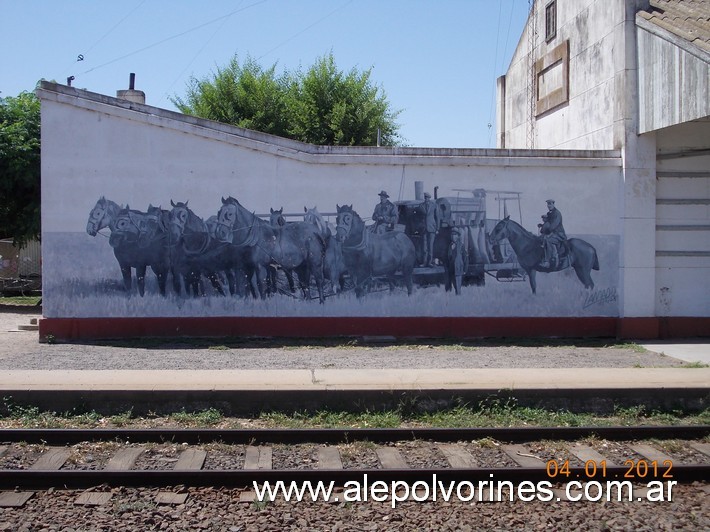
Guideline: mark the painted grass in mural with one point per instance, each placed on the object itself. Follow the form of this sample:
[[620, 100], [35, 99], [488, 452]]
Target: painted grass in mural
[[96, 289]]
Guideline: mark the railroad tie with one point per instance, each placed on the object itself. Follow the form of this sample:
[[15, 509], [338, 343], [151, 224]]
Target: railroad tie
[[93, 498], [258, 457], [651, 453], [191, 459], [520, 454], [52, 459], [587, 454], [703, 448], [390, 458], [15, 499], [124, 459], [329, 458], [458, 457]]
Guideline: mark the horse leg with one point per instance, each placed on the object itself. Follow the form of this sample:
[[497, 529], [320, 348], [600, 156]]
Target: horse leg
[[162, 275], [319, 277], [583, 272], [231, 281], [261, 280], [289, 278], [304, 278], [140, 279], [127, 277], [216, 284], [533, 281]]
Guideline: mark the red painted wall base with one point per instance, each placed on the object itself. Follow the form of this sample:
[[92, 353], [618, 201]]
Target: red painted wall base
[[639, 328]]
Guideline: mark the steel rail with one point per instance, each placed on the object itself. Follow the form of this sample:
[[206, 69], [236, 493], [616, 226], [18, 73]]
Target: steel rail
[[344, 435], [240, 478]]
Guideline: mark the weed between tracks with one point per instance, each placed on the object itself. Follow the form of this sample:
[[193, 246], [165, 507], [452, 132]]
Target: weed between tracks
[[493, 413]]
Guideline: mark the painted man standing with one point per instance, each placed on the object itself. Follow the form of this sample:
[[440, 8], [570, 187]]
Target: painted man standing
[[456, 263], [385, 215], [553, 234], [431, 227]]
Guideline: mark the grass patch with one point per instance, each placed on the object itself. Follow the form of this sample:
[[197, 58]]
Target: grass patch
[[20, 301], [492, 413], [696, 364], [204, 418], [325, 419]]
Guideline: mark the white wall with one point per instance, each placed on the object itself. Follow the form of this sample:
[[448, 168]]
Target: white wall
[[95, 146], [596, 32], [683, 220]]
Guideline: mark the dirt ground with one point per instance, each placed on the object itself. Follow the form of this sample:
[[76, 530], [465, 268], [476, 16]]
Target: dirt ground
[[20, 350]]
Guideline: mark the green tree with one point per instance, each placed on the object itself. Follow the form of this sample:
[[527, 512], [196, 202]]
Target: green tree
[[20, 167], [242, 95], [322, 105]]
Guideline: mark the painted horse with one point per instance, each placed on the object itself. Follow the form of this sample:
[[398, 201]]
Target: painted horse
[[197, 252], [580, 255], [334, 268], [276, 219], [296, 246], [102, 215], [134, 249], [367, 254]]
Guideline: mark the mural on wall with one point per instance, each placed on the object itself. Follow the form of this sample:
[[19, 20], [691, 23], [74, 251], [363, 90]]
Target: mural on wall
[[463, 254]]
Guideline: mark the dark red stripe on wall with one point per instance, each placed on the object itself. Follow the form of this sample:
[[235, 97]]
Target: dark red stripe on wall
[[96, 328]]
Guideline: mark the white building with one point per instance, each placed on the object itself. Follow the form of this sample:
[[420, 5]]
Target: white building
[[631, 75]]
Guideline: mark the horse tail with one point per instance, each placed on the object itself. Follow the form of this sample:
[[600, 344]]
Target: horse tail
[[595, 266]]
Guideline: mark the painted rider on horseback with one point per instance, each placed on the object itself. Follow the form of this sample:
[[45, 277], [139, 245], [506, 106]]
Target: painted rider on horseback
[[385, 215], [553, 235]]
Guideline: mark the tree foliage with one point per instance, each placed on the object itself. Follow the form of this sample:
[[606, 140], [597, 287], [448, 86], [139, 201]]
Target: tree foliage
[[20, 167], [322, 105]]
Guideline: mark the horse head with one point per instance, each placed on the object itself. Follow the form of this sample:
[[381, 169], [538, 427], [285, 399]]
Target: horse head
[[312, 216], [126, 227], [101, 215], [276, 219], [226, 219], [151, 226], [347, 222], [500, 231]]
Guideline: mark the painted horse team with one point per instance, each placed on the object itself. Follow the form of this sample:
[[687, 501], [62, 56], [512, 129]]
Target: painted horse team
[[239, 249]]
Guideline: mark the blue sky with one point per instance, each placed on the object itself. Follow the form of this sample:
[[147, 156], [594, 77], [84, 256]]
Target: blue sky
[[436, 60]]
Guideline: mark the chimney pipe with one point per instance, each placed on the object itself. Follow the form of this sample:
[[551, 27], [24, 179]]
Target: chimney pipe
[[131, 94]]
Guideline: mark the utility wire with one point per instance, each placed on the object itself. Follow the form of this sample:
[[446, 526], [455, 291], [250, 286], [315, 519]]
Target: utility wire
[[305, 29], [224, 21], [174, 36], [80, 57]]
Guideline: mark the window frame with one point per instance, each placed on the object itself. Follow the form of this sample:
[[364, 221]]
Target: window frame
[[550, 20]]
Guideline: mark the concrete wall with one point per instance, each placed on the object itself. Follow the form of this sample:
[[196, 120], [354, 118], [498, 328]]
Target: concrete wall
[[674, 79], [683, 220], [597, 32], [95, 146]]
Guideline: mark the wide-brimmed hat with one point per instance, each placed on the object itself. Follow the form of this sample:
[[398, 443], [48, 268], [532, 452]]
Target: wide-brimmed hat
[[427, 195], [383, 193], [550, 201]]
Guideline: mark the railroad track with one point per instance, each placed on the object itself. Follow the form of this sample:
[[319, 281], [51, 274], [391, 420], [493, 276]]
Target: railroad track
[[80, 459]]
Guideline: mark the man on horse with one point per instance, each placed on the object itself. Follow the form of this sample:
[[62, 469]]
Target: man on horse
[[431, 227], [553, 235], [385, 215]]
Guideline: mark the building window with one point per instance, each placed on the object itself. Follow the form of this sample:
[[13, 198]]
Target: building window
[[550, 21], [552, 79]]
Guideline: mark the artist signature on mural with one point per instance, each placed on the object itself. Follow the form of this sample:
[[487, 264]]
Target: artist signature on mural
[[599, 297]]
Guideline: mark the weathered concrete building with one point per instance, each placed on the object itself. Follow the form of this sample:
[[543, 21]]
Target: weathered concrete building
[[604, 109], [632, 75]]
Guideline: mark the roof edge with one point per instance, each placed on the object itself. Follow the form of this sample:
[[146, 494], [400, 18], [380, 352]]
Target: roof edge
[[672, 38], [46, 89]]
